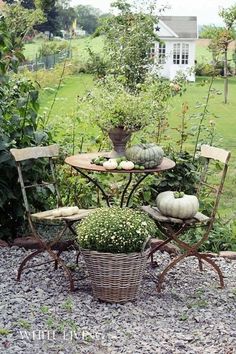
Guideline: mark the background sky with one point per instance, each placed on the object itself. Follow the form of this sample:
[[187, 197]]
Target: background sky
[[205, 10]]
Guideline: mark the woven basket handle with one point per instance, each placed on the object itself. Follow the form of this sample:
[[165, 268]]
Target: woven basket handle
[[145, 244]]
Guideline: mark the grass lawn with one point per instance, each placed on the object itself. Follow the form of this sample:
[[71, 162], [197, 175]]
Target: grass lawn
[[73, 86], [63, 117], [79, 47], [31, 49], [225, 128]]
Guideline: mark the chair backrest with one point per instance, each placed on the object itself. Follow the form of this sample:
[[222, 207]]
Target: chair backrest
[[215, 154], [36, 153]]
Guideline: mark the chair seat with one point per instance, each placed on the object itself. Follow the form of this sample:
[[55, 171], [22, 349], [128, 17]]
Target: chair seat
[[48, 215], [158, 216]]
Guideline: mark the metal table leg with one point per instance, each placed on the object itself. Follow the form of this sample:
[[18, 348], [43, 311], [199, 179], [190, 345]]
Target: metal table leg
[[96, 184], [134, 188]]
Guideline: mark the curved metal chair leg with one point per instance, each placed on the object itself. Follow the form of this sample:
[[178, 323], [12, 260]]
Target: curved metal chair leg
[[56, 261], [65, 268], [154, 250], [185, 255], [68, 273], [77, 258], [153, 263], [200, 265], [166, 270], [25, 260], [216, 267]]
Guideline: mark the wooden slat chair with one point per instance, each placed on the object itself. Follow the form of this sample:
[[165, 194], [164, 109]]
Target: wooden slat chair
[[173, 228], [74, 214]]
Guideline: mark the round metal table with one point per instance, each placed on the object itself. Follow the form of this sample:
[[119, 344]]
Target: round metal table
[[82, 163]]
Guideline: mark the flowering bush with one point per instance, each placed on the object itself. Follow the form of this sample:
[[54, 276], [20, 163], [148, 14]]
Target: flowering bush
[[115, 230]]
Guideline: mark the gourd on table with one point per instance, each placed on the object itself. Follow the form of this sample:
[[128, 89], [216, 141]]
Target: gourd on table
[[148, 155], [126, 165], [177, 205], [110, 164]]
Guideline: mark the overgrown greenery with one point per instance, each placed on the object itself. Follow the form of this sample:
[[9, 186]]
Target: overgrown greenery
[[18, 128], [53, 47]]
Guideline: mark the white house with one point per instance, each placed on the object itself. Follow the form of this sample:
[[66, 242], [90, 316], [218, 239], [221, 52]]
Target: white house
[[176, 51]]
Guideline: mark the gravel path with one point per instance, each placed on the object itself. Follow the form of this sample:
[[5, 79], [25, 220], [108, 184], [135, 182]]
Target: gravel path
[[191, 315]]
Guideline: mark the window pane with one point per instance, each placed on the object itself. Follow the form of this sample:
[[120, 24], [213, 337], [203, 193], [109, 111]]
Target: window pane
[[176, 53], [185, 53], [161, 53]]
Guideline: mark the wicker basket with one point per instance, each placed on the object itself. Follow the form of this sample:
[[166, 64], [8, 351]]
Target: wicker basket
[[115, 277]]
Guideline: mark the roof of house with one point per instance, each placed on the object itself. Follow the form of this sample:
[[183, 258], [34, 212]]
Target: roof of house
[[183, 26]]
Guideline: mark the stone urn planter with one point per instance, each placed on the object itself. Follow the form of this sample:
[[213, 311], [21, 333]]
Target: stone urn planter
[[119, 137]]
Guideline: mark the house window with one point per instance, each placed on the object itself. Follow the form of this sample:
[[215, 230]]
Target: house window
[[185, 53], [152, 52], [162, 53], [176, 53], [181, 53]]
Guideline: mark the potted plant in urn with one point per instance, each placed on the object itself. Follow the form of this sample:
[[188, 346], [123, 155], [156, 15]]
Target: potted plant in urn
[[119, 112], [114, 242]]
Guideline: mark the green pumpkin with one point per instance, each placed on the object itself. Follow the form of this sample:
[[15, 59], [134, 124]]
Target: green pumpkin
[[147, 155]]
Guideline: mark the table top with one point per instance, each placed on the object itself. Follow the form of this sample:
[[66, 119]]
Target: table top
[[83, 161]]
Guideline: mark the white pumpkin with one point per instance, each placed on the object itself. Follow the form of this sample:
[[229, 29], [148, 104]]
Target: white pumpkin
[[56, 213], [68, 211], [177, 205], [65, 211], [126, 165], [111, 164]]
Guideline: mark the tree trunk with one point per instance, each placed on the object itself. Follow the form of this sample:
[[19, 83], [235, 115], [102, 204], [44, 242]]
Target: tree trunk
[[226, 83]]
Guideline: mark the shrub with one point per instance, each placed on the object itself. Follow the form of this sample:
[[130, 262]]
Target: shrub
[[50, 78], [115, 230], [97, 64], [221, 238], [53, 47], [18, 129], [207, 69], [184, 177]]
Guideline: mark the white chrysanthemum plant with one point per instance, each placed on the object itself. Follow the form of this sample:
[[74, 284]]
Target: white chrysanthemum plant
[[115, 230]]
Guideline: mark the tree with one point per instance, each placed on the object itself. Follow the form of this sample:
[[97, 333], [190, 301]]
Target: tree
[[22, 20], [220, 43], [229, 17], [129, 36], [87, 17], [210, 31], [66, 16], [51, 13], [28, 4], [39, 7]]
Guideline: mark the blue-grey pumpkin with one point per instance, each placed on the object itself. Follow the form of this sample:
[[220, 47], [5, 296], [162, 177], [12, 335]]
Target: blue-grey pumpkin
[[147, 155]]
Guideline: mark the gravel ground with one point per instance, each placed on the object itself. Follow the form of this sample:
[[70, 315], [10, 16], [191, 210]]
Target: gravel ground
[[191, 315]]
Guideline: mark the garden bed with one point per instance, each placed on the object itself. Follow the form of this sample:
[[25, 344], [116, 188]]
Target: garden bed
[[191, 315]]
